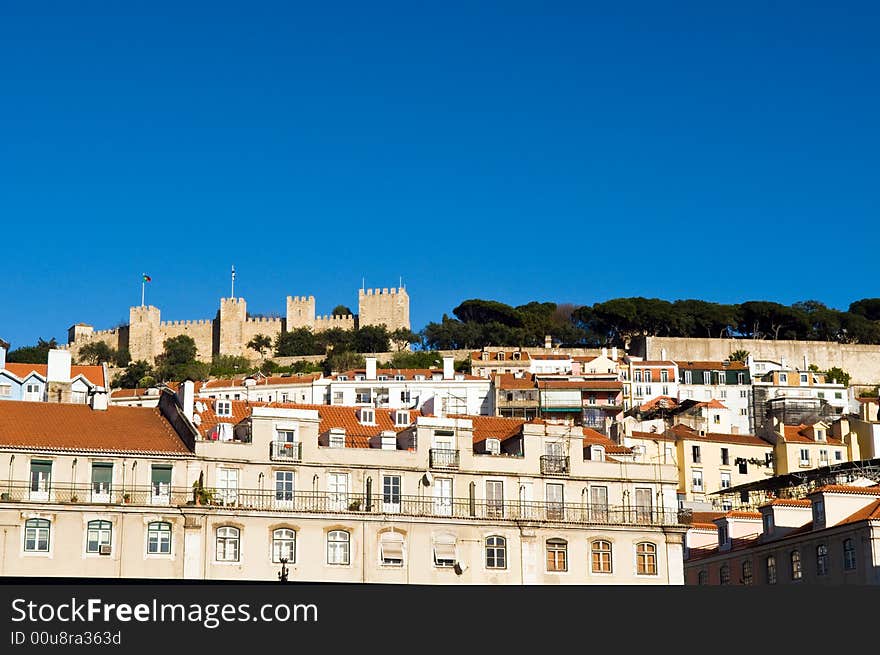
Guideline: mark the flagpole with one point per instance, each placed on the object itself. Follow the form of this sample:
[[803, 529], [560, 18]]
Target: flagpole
[[143, 286]]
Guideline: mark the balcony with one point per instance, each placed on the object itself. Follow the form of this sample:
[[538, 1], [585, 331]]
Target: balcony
[[285, 451], [444, 458], [554, 465], [373, 505]]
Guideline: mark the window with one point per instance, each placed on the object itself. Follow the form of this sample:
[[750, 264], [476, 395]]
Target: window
[[367, 416], [338, 547], [159, 538], [41, 475], [665, 390], [725, 480], [771, 569], [493, 446], [723, 535], [5, 390], [743, 411], [227, 485], [284, 486], [722, 377], [557, 555], [391, 493], [743, 393], [849, 555], [695, 454], [697, 480], [382, 378], [444, 550], [102, 476], [32, 392], [648, 376], [401, 419], [804, 378], [821, 559], [740, 379], [554, 495], [646, 558], [160, 483], [284, 545], [443, 496], [725, 456], [600, 551], [494, 498], [99, 533], [725, 573], [638, 377], [599, 503], [796, 570], [820, 394], [723, 394], [391, 548], [783, 378], [399, 378], [664, 376], [688, 377], [500, 357], [838, 395], [337, 488], [747, 572], [227, 544], [338, 398], [804, 457], [644, 513], [496, 553], [768, 523], [703, 578], [716, 418], [36, 536], [223, 408]]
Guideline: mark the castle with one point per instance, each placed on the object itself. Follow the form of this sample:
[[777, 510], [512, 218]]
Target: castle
[[229, 332]]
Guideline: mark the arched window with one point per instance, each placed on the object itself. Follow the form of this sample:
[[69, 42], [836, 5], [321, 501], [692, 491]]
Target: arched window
[[338, 547], [849, 555], [646, 558], [391, 548], [703, 578], [496, 553], [36, 535], [796, 570], [284, 545], [228, 544], [725, 573], [600, 551], [159, 538], [747, 572], [99, 533], [821, 559], [771, 569], [557, 555]]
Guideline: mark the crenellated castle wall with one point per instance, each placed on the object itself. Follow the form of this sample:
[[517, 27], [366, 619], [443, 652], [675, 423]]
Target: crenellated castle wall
[[202, 332], [389, 307]]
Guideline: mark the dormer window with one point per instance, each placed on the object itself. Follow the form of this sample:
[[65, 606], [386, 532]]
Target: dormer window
[[436, 376], [360, 378], [516, 355], [493, 446], [337, 438], [223, 408], [820, 435], [459, 376], [783, 378], [367, 416], [818, 512], [484, 356], [401, 419], [597, 453], [804, 378], [768, 523], [500, 357], [723, 535], [399, 378], [342, 378], [419, 377], [382, 378]]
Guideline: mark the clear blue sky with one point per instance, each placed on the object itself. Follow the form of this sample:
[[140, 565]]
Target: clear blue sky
[[570, 152]]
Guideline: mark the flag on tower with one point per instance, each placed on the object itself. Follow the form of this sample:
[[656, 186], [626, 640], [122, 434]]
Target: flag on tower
[[147, 278]]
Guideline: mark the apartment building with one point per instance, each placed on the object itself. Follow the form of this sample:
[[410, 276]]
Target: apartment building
[[795, 394], [799, 447], [339, 493], [644, 380], [295, 388], [726, 381], [55, 381], [831, 536], [516, 395], [489, 362], [595, 403]]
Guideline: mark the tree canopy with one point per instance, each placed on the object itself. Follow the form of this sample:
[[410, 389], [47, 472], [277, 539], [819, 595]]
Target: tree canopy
[[37, 354]]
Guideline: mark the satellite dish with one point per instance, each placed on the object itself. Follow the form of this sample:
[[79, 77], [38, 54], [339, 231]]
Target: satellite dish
[[427, 479], [458, 568]]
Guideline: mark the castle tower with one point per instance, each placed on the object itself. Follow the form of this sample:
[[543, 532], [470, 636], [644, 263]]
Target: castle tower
[[378, 306], [144, 333], [300, 312], [79, 331], [233, 314]]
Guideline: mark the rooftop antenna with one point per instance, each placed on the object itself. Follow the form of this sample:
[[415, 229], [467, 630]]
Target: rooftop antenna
[[233, 282], [363, 284]]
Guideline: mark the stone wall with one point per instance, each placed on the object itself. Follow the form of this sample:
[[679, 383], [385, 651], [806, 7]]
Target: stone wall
[[384, 306], [117, 338], [271, 327], [862, 362], [202, 332]]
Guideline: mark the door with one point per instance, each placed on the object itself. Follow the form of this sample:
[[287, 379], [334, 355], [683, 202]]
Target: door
[[102, 476], [527, 500], [599, 504], [337, 490], [160, 485], [391, 493], [227, 485], [443, 496], [644, 511], [494, 498], [284, 489], [555, 502], [41, 475]]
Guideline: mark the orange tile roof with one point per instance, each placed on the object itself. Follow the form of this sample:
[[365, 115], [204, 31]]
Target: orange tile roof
[[788, 502], [508, 356], [684, 432], [658, 436], [868, 400], [60, 426], [659, 362], [871, 512], [654, 403], [208, 419], [706, 517], [549, 357], [698, 525], [580, 384], [510, 381], [408, 374], [357, 435], [94, 374], [594, 438], [795, 434], [127, 393], [493, 427], [733, 365], [306, 378], [741, 514], [848, 489]]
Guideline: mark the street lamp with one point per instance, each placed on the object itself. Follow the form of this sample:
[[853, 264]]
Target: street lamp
[[283, 573]]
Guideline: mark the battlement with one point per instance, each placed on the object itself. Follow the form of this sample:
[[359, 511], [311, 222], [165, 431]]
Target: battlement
[[304, 299], [335, 317], [105, 333], [381, 292], [264, 319], [232, 301], [186, 323]]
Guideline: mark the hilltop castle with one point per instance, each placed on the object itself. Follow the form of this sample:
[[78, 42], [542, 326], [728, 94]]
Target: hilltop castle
[[229, 332]]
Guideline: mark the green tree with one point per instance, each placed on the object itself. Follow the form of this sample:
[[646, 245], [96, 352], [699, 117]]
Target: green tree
[[343, 360], [334, 340], [96, 353], [341, 310], [739, 356], [417, 359], [261, 343], [299, 341], [178, 360], [38, 354], [123, 357], [868, 308], [371, 339], [229, 365], [131, 377], [485, 311], [838, 375], [403, 337]]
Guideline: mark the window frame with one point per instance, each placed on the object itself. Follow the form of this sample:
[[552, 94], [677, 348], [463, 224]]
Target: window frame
[[101, 526], [231, 535], [797, 568], [556, 547], [38, 526], [341, 545], [770, 569], [493, 546], [746, 572], [601, 558], [646, 558], [153, 528], [850, 563], [822, 561]]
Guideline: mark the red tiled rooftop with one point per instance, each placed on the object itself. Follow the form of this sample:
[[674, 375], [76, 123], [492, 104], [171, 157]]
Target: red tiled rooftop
[[798, 434], [94, 374], [510, 381], [713, 365], [409, 374], [873, 490], [594, 438], [60, 426]]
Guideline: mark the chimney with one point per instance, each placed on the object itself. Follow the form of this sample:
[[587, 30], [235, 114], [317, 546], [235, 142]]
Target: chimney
[[448, 368], [614, 353], [604, 352], [783, 363], [186, 397], [371, 368], [806, 367], [663, 354], [548, 341], [99, 401], [59, 366]]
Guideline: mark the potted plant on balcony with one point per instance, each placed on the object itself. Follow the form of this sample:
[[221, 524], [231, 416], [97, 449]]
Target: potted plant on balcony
[[126, 497], [355, 505]]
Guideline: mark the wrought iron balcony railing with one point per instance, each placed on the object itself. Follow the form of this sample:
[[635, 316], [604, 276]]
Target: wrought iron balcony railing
[[287, 451], [444, 458], [554, 465]]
